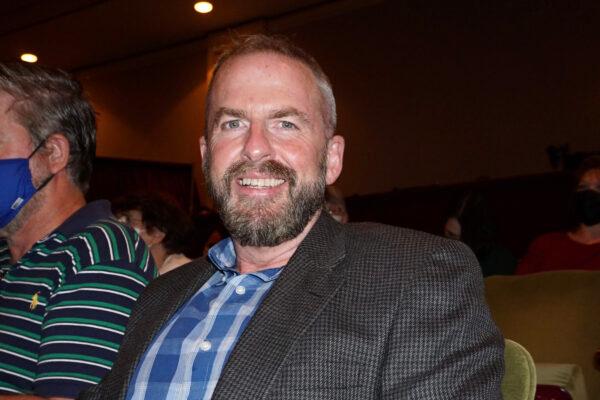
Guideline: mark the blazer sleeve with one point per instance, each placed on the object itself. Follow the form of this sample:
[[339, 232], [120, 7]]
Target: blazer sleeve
[[443, 343]]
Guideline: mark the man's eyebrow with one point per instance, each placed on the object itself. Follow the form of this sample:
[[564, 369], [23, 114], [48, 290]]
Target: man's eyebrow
[[289, 112], [231, 112]]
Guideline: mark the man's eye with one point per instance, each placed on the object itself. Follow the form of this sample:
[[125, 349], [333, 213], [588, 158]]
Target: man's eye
[[288, 125], [235, 124]]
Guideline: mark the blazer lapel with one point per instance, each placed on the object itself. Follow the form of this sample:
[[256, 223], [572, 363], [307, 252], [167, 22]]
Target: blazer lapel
[[304, 287]]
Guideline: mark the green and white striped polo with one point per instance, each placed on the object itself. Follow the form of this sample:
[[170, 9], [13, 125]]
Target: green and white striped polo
[[65, 304]]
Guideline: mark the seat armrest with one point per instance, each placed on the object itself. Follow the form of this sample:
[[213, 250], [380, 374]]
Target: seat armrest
[[567, 376]]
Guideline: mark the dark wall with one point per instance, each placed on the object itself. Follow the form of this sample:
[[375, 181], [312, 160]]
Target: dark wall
[[522, 207], [113, 178], [442, 92], [429, 92]]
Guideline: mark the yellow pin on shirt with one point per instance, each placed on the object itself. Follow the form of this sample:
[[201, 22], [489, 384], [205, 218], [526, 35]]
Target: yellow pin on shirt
[[34, 301]]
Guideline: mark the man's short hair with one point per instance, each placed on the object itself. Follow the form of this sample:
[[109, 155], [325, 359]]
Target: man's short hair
[[283, 46], [48, 101]]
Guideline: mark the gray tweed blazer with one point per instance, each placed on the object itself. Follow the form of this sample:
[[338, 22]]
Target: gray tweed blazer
[[361, 311]]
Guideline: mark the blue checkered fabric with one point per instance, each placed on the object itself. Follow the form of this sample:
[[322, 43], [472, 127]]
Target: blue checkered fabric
[[186, 358]]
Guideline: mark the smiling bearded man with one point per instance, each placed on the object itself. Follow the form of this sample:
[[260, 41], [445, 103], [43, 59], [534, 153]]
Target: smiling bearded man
[[295, 305]]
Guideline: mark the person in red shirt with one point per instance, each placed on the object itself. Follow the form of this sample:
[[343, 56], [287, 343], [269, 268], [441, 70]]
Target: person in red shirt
[[580, 247]]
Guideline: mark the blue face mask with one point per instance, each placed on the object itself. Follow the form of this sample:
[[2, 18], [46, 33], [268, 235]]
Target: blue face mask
[[17, 186]]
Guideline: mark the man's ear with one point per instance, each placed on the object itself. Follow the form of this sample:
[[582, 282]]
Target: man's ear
[[57, 150], [335, 158]]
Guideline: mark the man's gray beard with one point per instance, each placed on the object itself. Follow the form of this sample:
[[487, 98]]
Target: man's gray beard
[[253, 223], [29, 209]]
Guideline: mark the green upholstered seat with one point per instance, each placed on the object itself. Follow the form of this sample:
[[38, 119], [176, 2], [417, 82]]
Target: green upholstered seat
[[519, 373]]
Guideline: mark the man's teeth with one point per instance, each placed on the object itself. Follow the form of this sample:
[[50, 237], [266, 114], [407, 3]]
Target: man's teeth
[[261, 182]]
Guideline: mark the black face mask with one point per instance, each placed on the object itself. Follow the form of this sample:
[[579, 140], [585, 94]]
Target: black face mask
[[587, 207]]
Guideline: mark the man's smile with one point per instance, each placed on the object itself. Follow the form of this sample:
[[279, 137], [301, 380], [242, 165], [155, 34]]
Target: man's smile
[[256, 184], [260, 182], [268, 178]]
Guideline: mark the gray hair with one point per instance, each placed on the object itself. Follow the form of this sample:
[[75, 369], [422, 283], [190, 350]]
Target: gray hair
[[48, 101]]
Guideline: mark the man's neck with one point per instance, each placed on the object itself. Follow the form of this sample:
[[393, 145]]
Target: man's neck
[[251, 259], [49, 216], [586, 234]]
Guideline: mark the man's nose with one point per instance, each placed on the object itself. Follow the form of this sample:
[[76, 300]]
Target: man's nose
[[258, 145]]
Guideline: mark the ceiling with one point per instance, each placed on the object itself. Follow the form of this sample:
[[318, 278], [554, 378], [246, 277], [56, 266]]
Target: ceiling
[[80, 34]]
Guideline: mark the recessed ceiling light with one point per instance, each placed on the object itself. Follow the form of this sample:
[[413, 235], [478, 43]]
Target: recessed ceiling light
[[28, 57], [203, 7]]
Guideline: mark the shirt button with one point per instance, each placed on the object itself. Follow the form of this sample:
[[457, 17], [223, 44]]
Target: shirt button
[[240, 290], [205, 345]]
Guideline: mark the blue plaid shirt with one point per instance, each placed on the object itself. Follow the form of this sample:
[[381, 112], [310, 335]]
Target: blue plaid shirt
[[185, 360]]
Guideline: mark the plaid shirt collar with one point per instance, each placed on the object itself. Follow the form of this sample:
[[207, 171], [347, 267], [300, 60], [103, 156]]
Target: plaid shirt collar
[[223, 257]]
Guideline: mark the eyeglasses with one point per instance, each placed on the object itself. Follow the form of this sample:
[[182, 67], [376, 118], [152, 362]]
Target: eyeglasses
[[127, 220]]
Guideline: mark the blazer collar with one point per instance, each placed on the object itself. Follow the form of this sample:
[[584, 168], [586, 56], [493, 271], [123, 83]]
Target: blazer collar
[[307, 283]]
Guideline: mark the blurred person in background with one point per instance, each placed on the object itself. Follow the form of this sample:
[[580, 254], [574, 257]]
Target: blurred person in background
[[209, 229], [164, 226], [335, 204], [579, 247], [470, 221]]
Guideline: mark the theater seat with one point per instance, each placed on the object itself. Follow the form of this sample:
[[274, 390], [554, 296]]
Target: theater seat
[[550, 392], [519, 373], [554, 315], [567, 376]]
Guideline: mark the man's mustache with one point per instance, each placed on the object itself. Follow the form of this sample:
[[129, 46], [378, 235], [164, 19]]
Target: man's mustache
[[270, 167]]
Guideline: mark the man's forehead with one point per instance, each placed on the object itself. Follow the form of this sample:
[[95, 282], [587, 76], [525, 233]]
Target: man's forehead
[[268, 79], [261, 78], [8, 112], [274, 65], [259, 57]]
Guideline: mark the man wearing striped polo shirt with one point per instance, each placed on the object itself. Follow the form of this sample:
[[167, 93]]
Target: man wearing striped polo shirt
[[70, 273]]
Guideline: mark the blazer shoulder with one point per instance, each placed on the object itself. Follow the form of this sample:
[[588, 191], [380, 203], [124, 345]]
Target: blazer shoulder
[[368, 233], [384, 244]]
